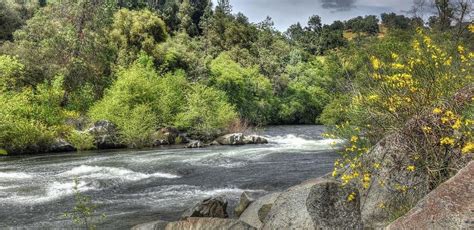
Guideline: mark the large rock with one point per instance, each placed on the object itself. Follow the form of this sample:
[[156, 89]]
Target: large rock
[[244, 202], [106, 135], [155, 225], [169, 136], [258, 210], [208, 224], [211, 207], [329, 207], [289, 210], [240, 139], [450, 206], [60, 145]]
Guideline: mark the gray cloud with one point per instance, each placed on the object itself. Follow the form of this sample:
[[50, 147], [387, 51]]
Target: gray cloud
[[339, 5]]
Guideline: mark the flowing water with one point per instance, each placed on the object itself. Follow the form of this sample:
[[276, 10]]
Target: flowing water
[[133, 187]]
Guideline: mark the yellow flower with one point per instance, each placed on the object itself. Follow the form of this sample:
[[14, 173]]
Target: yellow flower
[[471, 28], [447, 141], [411, 168], [382, 205], [469, 148], [375, 63], [437, 111], [354, 139], [426, 129], [457, 124], [461, 49], [351, 196], [376, 165], [394, 56]]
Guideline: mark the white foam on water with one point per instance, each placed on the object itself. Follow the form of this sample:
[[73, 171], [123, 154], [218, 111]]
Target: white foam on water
[[296, 142], [6, 176], [101, 172]]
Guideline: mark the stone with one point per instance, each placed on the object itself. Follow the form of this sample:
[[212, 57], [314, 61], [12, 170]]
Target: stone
[[155, 225], [106, 135], [208, 224], [195, 144], [244, 202], [211, 207], [449, 206], [329, 207], [169, 136], [240, 139], [289, 209], [60, 145], [258, 210]]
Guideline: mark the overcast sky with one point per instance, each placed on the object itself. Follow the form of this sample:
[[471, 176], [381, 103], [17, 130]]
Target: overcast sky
[[287, 12]]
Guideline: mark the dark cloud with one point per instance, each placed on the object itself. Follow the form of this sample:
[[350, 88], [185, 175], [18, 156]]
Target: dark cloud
[[339, 5]]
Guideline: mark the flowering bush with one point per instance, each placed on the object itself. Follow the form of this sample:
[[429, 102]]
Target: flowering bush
[[426, 97]]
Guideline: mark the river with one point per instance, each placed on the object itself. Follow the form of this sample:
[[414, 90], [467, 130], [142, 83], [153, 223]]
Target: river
[[133, 187]]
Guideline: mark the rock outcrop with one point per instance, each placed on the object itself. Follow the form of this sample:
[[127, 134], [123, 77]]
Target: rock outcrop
[[258, 210], [208, 224], [449, 206], [240, 139], [106, 135], [169, 136], [211, 207], [244, 202]]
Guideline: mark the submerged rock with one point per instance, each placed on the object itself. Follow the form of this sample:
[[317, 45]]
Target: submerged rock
[[258, 210], [208, 224], [449, 206], [211, 207], [106, 135], [240, 139], [244, 202], [60, 145]]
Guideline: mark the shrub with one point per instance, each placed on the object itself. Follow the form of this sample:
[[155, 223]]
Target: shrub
[[11, 73], [81, 140], [138, 126], [207, 111]]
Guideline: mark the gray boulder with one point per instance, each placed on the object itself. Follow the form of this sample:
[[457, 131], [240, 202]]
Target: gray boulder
[[258, 210], [244, 202], [240, 139], [211, 207], [208, 224], [60, 145], [106, 135], [289, 210], [169, 136], [329, 207], [155, 225], [195, 144], [449, 206]]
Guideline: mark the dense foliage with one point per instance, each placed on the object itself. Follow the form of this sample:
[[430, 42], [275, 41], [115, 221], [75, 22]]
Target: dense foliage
[[144, 65]]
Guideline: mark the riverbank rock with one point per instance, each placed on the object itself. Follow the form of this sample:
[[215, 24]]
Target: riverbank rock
[[240, 139], [258, 210], [329, 206], [155, 225], [315, 204], [106, 135], [244, 202], [169, 136], [195, 144], [208, 224], [289, 209], [60, 145], [211, 207], [449, 206]]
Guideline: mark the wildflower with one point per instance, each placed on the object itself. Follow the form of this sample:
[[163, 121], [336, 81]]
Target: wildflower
[[382, 205], [375, 63], [460, 49], [469, 148], [457, 124], [437, 111], [426, 129], [471, 28], [411, 168], [334, 173], [394, 56], [376, 165], [354, 139], [447, 141], [351, 196]]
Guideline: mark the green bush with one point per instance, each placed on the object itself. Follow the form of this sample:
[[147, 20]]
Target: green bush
[[81, 140], [11, 73], [207, 111], [138, 127]]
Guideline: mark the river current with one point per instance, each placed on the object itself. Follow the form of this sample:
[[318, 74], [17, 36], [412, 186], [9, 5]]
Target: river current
[[133, 187]]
